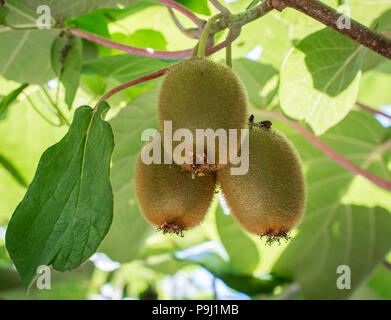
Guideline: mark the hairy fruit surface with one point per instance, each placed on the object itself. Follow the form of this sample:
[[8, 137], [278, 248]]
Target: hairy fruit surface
[[169, 198], [201, 94], [270, 199]]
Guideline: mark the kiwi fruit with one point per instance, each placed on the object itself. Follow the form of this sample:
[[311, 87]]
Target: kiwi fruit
[[201, 94], [270, 199], [169, 198]]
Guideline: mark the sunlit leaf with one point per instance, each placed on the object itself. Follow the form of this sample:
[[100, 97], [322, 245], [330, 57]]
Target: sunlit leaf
[[320, 79]]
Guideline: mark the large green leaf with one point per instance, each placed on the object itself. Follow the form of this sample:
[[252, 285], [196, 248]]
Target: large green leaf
[[320, 79], [129, 228], [242, 251], [67, 209], [25, 54], [346, 221]]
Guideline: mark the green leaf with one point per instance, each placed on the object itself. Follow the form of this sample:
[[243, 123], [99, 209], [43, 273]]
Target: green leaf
[[242, 251], [274, 40], [67, 209], [67, 55], [320, 79], [20, 62], [6, 164], [380, 282], [3, 15], [260, 80], [73, 8], [124, 67], [375, 84], [25, 56], [381, 24], [197, 6], [6, 101], [148, 38], [341, 225], [96, 23], [129, 226]]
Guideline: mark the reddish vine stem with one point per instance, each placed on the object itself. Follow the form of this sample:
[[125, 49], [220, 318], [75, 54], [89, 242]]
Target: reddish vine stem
[[371, 110], [387, 264], [183, 10], [329, 151], [146, 52], [133, 50], [330, 17], [131, 83], [219, 7]]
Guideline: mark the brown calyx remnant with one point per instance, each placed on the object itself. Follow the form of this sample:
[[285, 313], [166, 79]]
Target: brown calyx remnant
[[276, 236], [201, 169], [172, 228]]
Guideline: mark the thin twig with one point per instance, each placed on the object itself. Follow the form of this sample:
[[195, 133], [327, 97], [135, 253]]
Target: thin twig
[[371, 110], [40, 113], [133, 50], [231, 38], [175, 5], [327, 150], [220, 7], [146, 52], [55, 106], [330, 17], [242, 18], [192, 33], [205, 36], [131, 83]]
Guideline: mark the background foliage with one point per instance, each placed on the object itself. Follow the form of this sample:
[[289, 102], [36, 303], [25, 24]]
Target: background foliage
[[287, 62]]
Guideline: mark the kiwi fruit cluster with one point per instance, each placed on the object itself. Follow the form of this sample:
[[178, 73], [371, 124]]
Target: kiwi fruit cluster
[[267, 201]]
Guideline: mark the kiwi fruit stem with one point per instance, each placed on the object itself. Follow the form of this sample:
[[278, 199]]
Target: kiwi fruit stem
[[205, 35], [228, 54]]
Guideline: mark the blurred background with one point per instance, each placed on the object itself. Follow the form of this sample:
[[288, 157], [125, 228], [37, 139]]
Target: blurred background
[[348, 219]]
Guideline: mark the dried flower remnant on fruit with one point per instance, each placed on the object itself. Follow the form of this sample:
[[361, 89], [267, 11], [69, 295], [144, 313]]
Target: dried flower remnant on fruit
[[172, 228], [201, 169], [265, 124], [251, 121], [272, 236]]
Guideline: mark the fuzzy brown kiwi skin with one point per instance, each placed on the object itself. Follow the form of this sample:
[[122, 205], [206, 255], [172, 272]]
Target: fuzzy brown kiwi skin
[[201, 94], [169, 198], [270, 199]]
